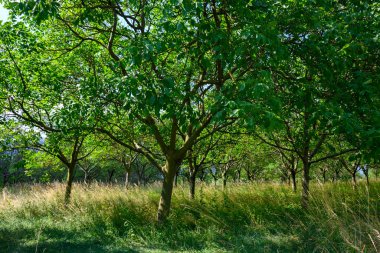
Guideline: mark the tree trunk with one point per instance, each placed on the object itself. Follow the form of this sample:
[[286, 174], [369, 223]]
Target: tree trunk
[[202, 175], [5, 180], [138, 181], [336, 177], [6, 176], [141, 176], [366, 174], [294, 182], [324, 175], [85, 176], [249, 175], [176, 178], [238, 176], [126, 184], [224, 181], [305, 184], [192, 179], [367, 177], [69, 182], [170, 170], [110, 175], [353, 176]]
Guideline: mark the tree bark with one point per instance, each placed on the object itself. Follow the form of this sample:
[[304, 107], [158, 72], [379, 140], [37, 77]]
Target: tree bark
[[128, 168], [169, 170], [192, 179], [294, 182], [126, 184], [224, 181], [69, 182], [85, 177]]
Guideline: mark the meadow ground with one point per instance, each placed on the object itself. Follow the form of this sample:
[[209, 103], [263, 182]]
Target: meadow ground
[[243, 218]]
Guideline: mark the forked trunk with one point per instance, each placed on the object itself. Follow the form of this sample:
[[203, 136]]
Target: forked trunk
[[166, 192], [69, 182]]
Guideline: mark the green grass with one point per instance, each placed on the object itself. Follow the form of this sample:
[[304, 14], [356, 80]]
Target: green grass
[[245, 218]]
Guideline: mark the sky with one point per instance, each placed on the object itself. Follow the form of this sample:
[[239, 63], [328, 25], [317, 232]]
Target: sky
[[3, 13]]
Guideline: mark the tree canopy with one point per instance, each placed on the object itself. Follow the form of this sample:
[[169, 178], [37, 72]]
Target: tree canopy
[[161, 78]]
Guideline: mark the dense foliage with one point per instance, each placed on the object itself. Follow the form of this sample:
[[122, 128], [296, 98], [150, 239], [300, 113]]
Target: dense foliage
[[135, 92]]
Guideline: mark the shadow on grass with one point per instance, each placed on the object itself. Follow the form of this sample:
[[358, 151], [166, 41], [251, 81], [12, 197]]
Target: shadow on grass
[[52, 240], [55, 240]]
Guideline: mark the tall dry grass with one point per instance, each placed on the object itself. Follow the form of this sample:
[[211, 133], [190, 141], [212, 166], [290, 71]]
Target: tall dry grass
[[244, 218]]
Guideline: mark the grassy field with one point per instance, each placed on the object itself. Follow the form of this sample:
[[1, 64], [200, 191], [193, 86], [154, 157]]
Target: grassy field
[[244, 218]]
